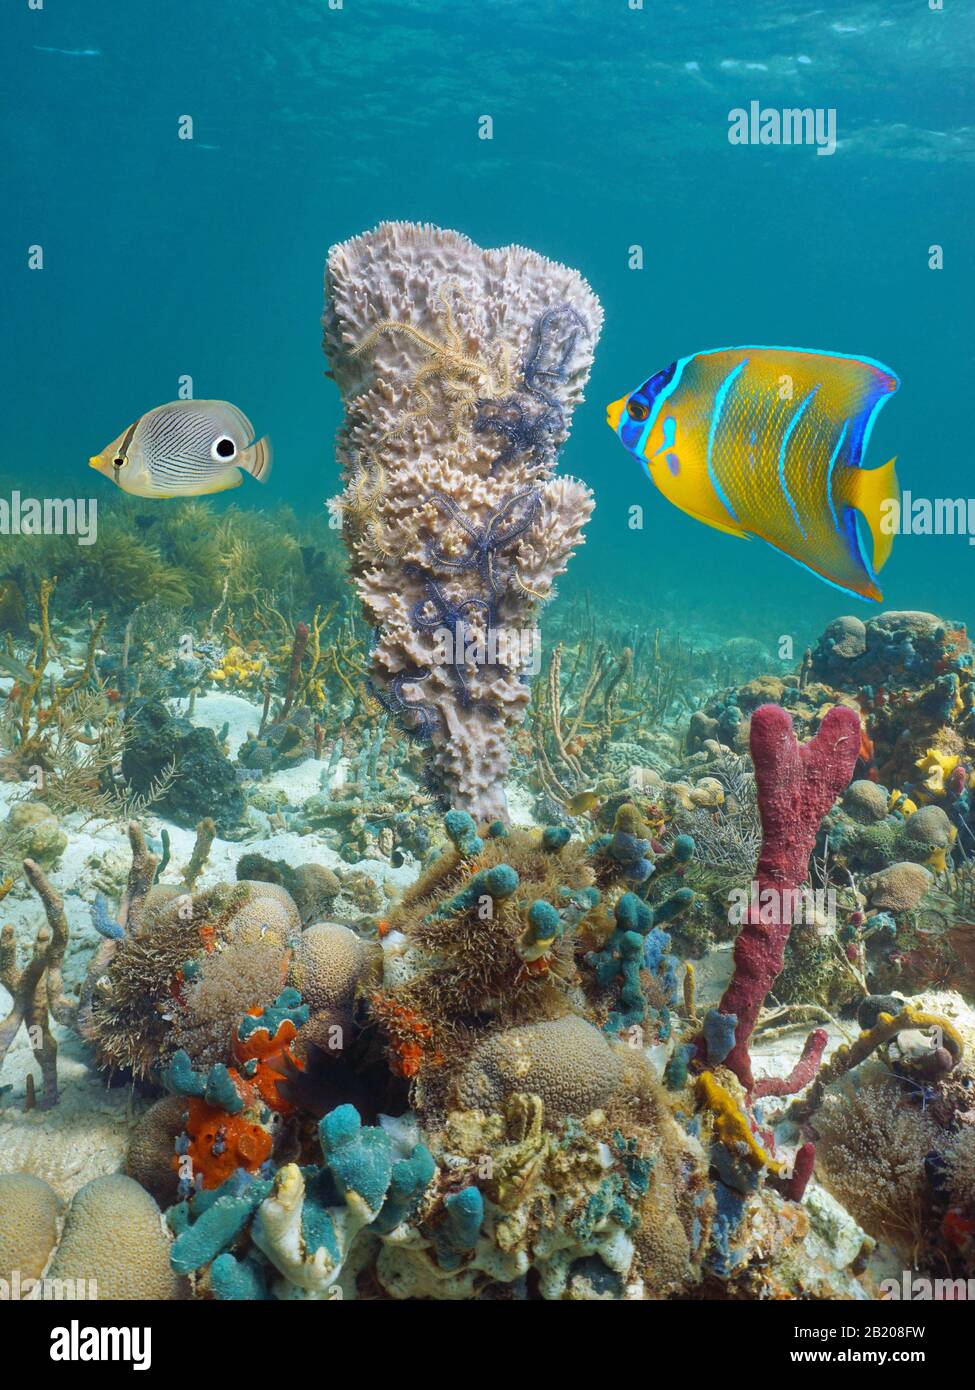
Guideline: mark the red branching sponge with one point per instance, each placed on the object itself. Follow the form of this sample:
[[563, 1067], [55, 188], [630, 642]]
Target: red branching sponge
[[802, 1171], [801, 1074], [298, 648], [797, 784]]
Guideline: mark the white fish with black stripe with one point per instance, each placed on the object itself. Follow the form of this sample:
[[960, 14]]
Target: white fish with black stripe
[[185, 449]]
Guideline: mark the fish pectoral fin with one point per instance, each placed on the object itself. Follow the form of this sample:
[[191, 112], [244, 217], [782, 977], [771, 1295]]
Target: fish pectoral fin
[[867, 490], [257, 459], [727, 527]]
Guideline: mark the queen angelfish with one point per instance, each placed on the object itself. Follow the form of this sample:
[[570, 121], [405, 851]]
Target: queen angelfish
[[769, 442]]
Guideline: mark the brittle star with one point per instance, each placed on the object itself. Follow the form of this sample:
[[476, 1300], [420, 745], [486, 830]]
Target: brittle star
[[452, 618], [559, 372], [392, 700], [533, 431], [486, 541], [462, 375], [525, 432]]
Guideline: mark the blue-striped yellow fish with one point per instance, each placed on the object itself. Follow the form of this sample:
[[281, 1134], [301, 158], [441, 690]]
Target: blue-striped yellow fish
[[185, 449], [769, 442]]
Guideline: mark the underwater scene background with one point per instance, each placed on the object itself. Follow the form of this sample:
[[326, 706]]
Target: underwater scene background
[[636, 963]]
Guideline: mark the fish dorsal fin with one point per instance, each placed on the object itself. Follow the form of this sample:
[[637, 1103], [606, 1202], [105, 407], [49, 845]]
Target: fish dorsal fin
[[866, 490]]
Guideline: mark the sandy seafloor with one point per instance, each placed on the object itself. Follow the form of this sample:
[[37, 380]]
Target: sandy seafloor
[[87, 1133]]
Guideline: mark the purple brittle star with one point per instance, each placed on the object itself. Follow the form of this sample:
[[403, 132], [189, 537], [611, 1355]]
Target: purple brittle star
[[392, 700], [453, 617], [488, 540], [531, 426]]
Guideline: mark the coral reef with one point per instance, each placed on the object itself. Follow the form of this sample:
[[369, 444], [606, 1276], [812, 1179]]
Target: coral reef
[[611, 1205], [379, 1049]]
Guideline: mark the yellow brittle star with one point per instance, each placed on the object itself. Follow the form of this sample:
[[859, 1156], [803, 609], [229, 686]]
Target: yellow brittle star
[[464, 379]]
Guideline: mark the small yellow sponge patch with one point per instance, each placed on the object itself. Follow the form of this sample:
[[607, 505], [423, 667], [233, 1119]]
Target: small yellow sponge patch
[[730, 1122]]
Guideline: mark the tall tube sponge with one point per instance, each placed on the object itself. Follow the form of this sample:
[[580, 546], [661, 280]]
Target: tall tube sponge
[[459, 369]]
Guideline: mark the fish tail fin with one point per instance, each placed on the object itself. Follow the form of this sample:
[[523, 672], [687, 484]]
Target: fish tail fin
[[867, 490], [257, 459]]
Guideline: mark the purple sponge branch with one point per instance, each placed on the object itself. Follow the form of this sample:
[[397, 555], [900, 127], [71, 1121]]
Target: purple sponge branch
[[797, 785]]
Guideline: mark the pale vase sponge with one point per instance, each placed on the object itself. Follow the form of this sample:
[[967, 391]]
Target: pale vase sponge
[[459, 370]]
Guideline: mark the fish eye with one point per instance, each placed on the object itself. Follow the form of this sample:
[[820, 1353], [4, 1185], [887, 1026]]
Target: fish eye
[[637, 410], [119, 461], [223, 448]]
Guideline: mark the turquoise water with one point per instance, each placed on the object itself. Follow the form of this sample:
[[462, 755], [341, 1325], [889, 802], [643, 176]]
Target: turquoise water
[[165, 256]]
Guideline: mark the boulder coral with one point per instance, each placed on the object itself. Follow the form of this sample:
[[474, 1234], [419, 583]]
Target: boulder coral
[[312, 887], [115, 1241], [331, 965], [34, 829], [898, 887], [30, 1217], [567, 1062], [149, 1159]]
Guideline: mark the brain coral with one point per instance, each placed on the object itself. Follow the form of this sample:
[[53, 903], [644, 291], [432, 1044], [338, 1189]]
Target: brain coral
[[566, 1061], [114, 1237], [29, 1215], [328, 962], [152, 1146], [899, 887]]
